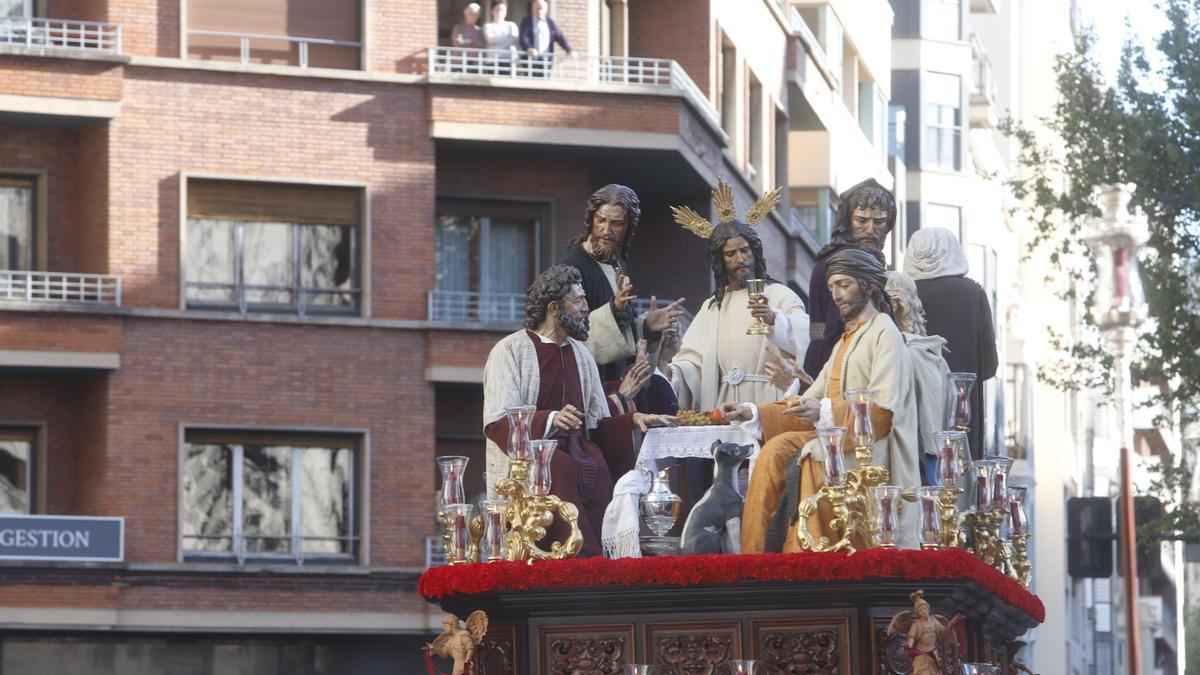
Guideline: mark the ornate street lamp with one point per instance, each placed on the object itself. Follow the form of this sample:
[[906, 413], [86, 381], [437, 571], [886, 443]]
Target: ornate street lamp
[[1119, 307]]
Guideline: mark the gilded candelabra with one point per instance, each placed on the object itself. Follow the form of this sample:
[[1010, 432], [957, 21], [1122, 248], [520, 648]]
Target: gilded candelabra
[[951, 520], [529, 517], [986, 542], [849, 502], [1022, 568]]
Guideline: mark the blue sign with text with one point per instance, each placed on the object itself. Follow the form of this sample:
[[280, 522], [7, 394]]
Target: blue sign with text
[[81, 538]]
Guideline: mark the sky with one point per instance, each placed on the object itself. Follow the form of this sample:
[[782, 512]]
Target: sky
[[1115, 20]]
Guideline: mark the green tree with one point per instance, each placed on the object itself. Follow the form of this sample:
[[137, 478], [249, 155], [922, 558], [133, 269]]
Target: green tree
[[1144, 128]]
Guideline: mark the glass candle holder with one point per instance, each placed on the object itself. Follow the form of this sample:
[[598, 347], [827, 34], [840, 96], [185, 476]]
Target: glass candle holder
[[743, 667], [452, 467], [493, 546], [960, 400], [835, 462], [885, 505], [951, 454], [519, 420], [981, 485], [1018, 521], [1000, 468], [862, 432], [458, 518], [929, 515], [543, 452]]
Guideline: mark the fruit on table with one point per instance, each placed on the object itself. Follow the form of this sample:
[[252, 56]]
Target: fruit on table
[[694, 418]]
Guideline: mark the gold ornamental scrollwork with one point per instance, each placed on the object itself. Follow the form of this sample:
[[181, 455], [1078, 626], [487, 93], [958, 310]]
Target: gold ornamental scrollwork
[[530, 517]]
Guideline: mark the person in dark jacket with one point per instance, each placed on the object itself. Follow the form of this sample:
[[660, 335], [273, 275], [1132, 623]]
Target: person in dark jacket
[[866, 213], [537, 38], [957, 309]]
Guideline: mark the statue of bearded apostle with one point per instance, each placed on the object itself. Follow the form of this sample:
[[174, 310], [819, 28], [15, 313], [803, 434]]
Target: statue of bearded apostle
[[718, 362]]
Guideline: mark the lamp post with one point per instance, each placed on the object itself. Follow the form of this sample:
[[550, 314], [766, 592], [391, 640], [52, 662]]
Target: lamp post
[[1119, 307]]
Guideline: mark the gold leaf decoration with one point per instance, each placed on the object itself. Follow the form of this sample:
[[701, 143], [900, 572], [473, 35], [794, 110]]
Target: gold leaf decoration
[[691, 221], [763, 206], [722, 196]]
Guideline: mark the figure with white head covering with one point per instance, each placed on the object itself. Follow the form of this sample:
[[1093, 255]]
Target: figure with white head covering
[[957, 309]]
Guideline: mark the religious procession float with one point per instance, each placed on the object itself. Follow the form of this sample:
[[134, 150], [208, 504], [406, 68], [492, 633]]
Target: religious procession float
[[881, 571]]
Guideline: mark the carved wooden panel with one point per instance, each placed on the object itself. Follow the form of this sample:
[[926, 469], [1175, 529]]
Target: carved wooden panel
[[693, 648], [819, 646], [497, 654], [566, 650]]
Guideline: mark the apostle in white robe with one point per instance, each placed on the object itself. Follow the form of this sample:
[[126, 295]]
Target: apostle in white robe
[[718, 362]]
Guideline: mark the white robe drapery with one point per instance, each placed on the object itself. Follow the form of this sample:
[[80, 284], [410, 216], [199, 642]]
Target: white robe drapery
[[716, 345]]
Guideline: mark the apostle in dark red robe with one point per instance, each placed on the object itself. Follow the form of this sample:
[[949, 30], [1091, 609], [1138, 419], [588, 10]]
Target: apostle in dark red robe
[[546, 365]]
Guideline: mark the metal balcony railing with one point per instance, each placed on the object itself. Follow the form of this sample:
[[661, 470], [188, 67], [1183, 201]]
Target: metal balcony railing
[[616, 71], [246, 40], [476, 307], [86, 36], [89, 289], [983, 80]]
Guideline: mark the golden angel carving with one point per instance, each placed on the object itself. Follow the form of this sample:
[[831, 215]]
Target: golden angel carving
[[928, 640], [457, 644]]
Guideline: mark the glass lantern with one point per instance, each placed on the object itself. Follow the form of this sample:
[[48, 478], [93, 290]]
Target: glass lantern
[[930, 516], [1018, 520], [543, 453], [835, 463], [520, 418], [862, 432], [1000, 468], [981, 485], [458, 543], [452, 467], [951, 454], [961, 385], [493, 546], [885, 507]]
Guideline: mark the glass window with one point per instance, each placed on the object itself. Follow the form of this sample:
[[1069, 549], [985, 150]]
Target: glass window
[[943, 19], [263, 496], [755, 131], [16, 469], [943, 124], [16, 9], [272, 248], [486, 256], [16, 223], [944, 216], [1017, 421], [729, 89]]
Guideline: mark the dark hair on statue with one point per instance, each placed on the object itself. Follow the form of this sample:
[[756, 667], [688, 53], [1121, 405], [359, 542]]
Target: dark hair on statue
[[550, 286], [879, 298], [716, 253], [868, 194], [620, 196]]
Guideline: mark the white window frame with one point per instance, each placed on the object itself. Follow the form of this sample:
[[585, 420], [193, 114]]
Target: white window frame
[[930, 160], [296, 536]]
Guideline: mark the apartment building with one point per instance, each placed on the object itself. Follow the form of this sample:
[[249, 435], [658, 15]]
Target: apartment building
[[256, 254]]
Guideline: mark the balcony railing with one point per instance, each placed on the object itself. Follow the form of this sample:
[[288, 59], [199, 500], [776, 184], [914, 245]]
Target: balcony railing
[[476, 307], [814, 47], [984, 81], [88, 289], [247, 43], [642, 305], [615, 71], [86, 36]]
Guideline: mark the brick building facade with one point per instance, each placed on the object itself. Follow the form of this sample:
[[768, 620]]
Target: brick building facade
[[255, 262]]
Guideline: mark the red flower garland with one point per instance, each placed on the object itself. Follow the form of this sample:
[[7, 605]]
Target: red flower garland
[[440, 582]]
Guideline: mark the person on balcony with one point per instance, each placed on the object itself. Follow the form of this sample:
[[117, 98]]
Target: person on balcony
[[956, 308], [546, 365], [866, 214], [502, 37], [538, 36], [468, 35]]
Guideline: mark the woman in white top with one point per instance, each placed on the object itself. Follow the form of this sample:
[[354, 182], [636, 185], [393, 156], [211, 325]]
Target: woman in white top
[[501, 34]]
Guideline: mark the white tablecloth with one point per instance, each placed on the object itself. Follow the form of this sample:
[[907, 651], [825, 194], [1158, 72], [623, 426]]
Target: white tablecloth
[[664, 442]]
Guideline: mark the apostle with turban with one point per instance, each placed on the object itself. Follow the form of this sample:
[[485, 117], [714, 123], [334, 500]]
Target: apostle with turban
[[869, 354]]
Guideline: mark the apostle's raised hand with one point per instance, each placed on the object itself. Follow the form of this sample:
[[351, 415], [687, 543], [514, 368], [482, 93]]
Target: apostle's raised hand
[[625, 294], [568, 419], [635, 378], [805, 409], [658, 319], [645, 422], [736, 412]]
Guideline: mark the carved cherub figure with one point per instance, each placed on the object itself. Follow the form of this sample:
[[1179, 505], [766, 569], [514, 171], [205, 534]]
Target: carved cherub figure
[[456, 643], [928, 637]]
